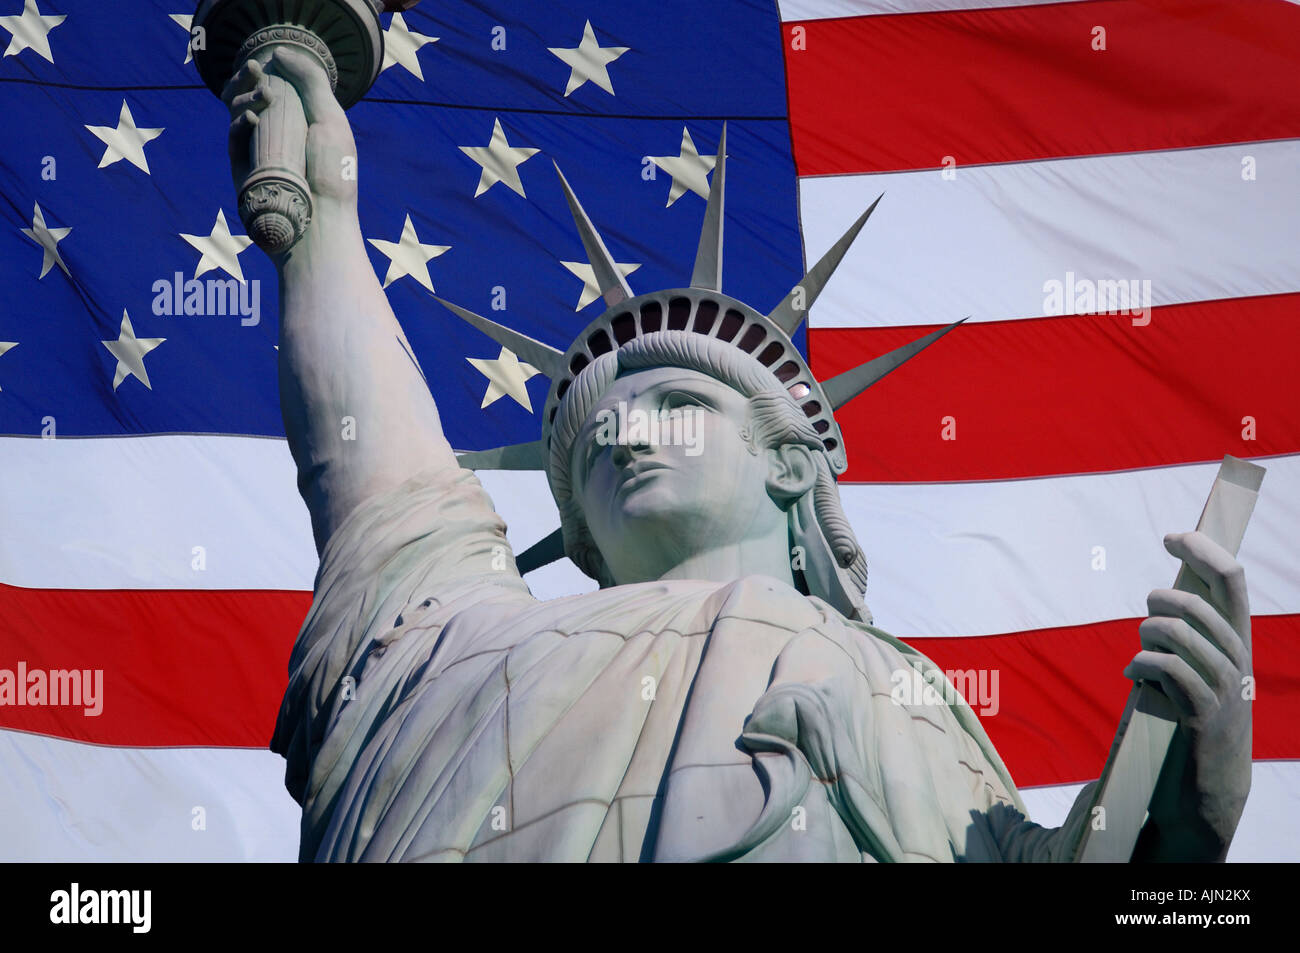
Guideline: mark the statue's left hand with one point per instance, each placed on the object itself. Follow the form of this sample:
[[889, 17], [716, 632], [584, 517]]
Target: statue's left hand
[[1198, 651]]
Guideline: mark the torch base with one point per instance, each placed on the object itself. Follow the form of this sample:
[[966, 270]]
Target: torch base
[[275, 207]]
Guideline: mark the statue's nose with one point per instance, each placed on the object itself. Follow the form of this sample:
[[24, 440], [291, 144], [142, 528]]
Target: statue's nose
[[626, 451]]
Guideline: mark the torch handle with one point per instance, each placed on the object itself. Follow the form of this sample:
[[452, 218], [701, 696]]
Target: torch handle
[[274, 201]]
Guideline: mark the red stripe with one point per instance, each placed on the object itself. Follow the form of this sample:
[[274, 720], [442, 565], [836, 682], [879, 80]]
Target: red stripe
[[1081, 393], [1062, 692], [883, 93], [181, 667], [209, 668]]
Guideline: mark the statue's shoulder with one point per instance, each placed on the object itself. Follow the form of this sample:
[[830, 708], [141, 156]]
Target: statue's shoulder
[[438, 526]]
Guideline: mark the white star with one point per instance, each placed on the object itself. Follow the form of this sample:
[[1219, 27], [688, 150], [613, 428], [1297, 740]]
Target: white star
[[408, 256], [401, 47], [500, 161], [588, 61], [5, 346], [590, 291], [689, 170], [507, 375], [126, 141], [219, 248], [31, 30], [48, 239], [185, 21], [130, 351]]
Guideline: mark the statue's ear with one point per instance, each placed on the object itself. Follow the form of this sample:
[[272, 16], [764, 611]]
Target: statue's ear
[[791, 473]]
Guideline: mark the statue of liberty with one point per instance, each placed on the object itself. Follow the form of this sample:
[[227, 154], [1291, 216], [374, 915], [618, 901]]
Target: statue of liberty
[[724, 694]]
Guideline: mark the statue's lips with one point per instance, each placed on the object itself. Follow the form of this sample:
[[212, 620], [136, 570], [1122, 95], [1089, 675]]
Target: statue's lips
[[635, 476]]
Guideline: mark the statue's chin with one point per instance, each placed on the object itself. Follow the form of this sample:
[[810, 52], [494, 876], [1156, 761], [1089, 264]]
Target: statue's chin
[[651, 506]]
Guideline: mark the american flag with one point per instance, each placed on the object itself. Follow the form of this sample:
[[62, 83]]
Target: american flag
[[1011, 486]]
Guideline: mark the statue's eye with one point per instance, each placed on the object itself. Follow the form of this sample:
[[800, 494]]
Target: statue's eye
[[679, 398], [594, 447], [597, 443]]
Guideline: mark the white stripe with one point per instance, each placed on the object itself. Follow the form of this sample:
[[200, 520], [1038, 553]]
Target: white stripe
[[945, 559], [1050, 804], [827, 9], [127, 513], [1269, 831], [988, 558], [985, 243], [66, 801]]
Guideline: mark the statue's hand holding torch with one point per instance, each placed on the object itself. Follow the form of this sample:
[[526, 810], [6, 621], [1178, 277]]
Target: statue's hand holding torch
[[287, 72], [286, 121]]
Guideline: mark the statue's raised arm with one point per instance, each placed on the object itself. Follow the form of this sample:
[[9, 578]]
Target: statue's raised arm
[[357, 412]]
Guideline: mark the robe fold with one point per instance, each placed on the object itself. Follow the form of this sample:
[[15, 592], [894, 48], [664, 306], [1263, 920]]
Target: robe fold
[[437, 711]]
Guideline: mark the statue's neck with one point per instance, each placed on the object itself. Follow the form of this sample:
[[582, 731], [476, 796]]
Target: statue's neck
[[733, 561]]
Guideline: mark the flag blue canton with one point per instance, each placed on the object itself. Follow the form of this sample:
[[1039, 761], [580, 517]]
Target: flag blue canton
[[684, 69]]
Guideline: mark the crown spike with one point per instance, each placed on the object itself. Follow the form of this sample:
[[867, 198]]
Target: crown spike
[[546, 550], [842, 388], [786, 315], [542, 356], [708, 258], [613, 286], [516, 456]]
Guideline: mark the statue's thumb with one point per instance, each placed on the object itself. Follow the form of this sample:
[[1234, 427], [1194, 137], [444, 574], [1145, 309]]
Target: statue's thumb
[[307, 76]]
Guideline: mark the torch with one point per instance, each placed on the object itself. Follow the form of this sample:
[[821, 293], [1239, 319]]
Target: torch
[[344, 36]]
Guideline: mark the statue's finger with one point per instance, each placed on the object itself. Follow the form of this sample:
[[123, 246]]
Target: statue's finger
[[256, 100], [1219, 570], [1176, 679], [305, 74], [1204, 619], [245, 78], [1176, 636], [241, 127]]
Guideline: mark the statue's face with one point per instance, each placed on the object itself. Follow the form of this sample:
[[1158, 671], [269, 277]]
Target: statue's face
[[663, 473]]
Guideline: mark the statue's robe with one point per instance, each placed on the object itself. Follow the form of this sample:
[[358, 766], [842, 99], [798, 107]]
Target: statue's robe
[[437, 711]]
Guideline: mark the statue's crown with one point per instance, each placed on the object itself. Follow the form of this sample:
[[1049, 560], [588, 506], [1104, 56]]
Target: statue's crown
[[701, 308]]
